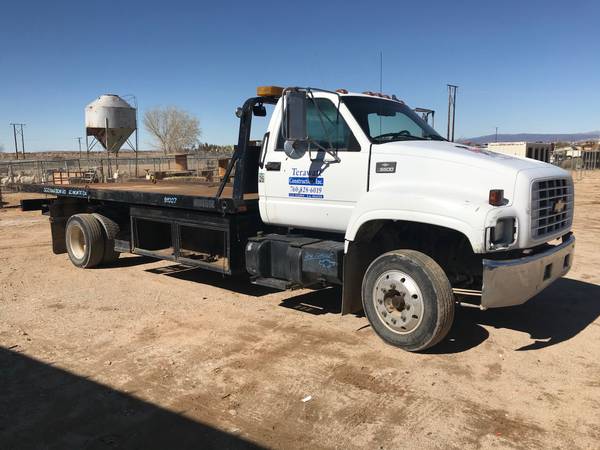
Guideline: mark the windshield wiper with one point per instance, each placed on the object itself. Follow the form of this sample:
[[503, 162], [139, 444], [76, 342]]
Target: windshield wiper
[[398, 137], [434, 137]]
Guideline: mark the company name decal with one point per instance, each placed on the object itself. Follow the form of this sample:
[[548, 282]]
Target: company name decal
[[65, 191], [306, 183]]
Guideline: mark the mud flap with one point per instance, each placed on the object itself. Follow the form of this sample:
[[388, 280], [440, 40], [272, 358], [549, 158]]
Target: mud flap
[[355, 265]]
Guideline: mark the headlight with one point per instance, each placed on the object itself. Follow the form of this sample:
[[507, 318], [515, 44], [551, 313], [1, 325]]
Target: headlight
[[503, 234]]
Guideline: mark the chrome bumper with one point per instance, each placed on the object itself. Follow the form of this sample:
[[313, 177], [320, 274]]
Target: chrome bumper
[[514, 281]]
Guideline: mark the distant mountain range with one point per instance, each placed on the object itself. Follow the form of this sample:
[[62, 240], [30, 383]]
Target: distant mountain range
[[534, 137]]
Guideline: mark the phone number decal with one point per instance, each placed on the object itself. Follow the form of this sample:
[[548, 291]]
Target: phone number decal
[[307, 187]]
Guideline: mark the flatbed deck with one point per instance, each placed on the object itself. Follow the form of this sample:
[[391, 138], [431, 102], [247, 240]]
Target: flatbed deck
[[162, 193]]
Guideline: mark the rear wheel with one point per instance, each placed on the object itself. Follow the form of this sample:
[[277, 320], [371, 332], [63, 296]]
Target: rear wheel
[[408, 299], [85, 240], [110, 229]]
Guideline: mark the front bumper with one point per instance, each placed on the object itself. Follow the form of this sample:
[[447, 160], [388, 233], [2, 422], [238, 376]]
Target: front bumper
[[514, 281]]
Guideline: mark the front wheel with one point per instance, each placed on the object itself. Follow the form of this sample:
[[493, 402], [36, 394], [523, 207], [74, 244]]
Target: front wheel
[[408, 299]]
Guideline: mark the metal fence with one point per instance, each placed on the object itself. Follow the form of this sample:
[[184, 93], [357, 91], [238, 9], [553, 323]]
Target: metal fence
[[578, 162], [107, 167]]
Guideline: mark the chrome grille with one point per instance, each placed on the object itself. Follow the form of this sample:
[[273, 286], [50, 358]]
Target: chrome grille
[[551, 206]]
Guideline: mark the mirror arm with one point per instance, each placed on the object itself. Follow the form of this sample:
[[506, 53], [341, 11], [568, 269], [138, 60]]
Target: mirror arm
[[330, 152]]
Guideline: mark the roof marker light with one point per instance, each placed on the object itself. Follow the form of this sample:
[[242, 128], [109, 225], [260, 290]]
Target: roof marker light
[[269, 91], [496, 197]]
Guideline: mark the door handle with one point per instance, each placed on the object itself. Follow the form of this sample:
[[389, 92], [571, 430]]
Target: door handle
[[273, 165]]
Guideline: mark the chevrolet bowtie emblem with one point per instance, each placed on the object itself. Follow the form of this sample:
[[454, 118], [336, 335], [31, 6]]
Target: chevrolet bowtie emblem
[[559, 206]]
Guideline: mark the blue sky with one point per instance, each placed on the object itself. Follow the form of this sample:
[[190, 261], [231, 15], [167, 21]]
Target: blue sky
[[526, 66]]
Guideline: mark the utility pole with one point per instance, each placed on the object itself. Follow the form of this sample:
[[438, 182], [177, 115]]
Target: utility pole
[[79, 140], [451, 111], [14, 125], [496, 134], [18, 130]]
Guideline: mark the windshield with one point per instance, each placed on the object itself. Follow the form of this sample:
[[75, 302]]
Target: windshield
[[386, 121]]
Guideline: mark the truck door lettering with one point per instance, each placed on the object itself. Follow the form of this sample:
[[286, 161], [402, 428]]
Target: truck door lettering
[[306, 183]]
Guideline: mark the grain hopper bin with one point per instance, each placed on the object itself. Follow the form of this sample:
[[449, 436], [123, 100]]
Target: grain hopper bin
[[110, 120]]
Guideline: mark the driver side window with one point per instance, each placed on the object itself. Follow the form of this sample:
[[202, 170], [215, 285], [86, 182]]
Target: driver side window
[[326, 126]]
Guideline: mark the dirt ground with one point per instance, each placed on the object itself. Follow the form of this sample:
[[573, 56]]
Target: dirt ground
[[148, 354]]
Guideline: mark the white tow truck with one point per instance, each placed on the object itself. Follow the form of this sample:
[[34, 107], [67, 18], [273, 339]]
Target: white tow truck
[[345, 189]]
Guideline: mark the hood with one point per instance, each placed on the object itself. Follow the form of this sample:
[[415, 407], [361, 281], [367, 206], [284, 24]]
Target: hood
[[459, 154], [469, 173]]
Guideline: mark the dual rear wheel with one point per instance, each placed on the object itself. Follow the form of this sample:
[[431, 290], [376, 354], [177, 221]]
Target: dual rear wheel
[[89, 241]]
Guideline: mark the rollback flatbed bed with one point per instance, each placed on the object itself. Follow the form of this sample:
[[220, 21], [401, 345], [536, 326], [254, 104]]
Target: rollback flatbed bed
[[196, 224]]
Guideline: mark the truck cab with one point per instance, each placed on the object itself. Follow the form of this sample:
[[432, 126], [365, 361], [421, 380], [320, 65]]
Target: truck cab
[[366, 167]]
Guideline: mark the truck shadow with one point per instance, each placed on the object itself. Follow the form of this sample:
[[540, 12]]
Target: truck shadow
[[238, 284], [319, 302], [555, 315], [128, 261], [42, 406]]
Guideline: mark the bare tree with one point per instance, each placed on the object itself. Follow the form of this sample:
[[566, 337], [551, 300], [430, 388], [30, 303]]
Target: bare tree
[[173, 129]]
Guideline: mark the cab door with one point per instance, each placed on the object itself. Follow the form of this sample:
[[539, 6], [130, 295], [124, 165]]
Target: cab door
[[316, 191]]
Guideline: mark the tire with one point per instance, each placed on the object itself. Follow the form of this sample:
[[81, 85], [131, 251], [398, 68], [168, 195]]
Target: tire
[[109, 256], [408, 300], [85, 241], [110, 229]]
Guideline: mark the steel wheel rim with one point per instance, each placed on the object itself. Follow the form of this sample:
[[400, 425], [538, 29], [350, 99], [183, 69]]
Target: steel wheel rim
[[77, 242], [398, 301]]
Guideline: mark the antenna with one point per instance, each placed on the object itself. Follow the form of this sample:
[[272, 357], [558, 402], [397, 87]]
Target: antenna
[[381, 71], [380, 82]]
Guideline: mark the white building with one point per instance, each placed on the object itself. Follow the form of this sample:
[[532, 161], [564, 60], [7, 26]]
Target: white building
[[533, 150]]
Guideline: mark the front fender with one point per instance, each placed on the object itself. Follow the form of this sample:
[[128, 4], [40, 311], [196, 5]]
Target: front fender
[[448, 210]]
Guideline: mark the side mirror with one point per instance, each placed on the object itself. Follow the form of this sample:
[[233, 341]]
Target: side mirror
[[294, 124], [294, 116], [259, 110], [295, 149]]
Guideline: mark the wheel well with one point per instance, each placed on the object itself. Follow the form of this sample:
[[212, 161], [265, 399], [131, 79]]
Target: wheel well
[[451, 249]]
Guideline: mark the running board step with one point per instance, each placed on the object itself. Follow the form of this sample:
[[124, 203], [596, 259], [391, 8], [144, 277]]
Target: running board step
[[274, 283]]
